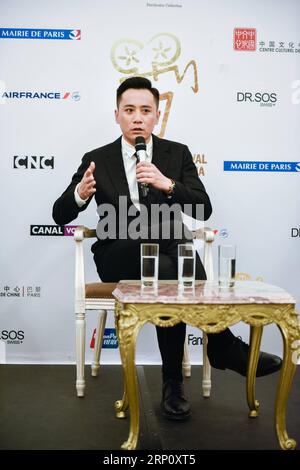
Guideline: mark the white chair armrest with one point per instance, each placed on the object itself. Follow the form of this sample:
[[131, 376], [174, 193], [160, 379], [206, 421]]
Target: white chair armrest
[[207, 235], [80, 234]]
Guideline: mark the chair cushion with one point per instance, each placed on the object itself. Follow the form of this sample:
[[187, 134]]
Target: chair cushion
[[100, 290]]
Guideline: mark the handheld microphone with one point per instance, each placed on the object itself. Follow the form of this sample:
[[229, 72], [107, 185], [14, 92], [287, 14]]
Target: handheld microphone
[[140, 149]]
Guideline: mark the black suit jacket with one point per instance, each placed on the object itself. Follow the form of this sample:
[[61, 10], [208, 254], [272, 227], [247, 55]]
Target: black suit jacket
[[173, 159]]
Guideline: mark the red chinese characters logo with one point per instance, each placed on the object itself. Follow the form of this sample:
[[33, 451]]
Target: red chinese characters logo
[[244, 39]]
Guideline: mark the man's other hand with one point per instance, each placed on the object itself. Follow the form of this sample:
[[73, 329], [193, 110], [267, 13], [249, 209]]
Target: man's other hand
[[148, 173], [86, 187]]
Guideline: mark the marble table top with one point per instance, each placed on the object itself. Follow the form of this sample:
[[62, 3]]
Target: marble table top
[[205, 292]]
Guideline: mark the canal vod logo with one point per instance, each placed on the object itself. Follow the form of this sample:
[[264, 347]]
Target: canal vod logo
[[52, 230]]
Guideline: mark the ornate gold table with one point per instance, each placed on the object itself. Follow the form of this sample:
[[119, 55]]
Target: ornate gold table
[[212, 309]]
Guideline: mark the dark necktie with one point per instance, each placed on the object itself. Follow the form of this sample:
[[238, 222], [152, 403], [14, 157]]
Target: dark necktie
[[143, 198]]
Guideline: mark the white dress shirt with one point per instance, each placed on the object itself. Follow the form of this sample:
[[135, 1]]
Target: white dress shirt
[[129, 161]]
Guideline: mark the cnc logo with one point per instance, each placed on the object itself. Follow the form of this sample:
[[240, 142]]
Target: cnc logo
[[25, 33], [52, 230], [33, 162], [12, 336], [244, 39], [262, 98]]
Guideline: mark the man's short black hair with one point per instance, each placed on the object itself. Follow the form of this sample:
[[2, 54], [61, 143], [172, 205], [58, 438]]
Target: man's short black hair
[[139, 83]]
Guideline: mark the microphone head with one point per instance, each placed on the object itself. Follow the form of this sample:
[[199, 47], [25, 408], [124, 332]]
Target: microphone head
[[140, 143]]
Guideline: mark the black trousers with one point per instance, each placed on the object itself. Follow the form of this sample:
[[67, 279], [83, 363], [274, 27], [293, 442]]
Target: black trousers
[[120, 259]]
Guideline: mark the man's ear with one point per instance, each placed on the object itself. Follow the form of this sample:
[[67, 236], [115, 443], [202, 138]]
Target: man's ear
[[117, 116], [157, 116]]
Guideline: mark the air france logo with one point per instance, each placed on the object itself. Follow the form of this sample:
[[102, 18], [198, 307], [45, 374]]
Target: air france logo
[[40, 95], [281, 167], [24, 33]]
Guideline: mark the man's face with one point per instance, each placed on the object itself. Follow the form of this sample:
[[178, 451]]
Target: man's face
[[137, 114]]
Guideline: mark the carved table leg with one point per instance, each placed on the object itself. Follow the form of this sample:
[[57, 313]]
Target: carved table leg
[[255, 339], [122, 405], [285, 381], [128, 329]]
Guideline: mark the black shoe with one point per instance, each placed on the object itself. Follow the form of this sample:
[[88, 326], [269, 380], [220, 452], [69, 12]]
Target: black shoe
[[236, 358], [174, 405]]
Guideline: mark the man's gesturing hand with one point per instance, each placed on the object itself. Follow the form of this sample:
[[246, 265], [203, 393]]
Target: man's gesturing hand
[[86, 187]]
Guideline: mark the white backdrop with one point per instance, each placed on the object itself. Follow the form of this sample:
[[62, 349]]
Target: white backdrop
[[244, 107]]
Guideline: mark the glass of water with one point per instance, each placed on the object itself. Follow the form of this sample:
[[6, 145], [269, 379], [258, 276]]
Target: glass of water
[[186, 266], [226, 265], [149, 264]]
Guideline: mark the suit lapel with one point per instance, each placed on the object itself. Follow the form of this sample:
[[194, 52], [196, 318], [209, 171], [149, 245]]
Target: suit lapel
[[161, 154], [115, 167]]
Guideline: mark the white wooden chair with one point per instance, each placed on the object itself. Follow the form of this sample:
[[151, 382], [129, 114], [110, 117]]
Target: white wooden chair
[[98, 296]]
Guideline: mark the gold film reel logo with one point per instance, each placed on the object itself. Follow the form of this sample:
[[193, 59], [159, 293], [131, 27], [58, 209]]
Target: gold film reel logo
[[131, 58]]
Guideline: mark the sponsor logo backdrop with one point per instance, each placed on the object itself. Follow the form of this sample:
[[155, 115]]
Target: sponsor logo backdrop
[[230, 84]]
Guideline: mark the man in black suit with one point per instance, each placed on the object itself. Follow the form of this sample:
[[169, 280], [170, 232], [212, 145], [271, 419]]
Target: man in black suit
[[171, 178]]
